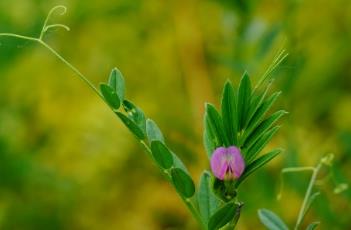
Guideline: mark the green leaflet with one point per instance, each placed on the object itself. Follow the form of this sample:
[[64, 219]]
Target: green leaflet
[[255, 103], [215, 125], [132, 126], [161, 154], [271, 220], [209, 138], [260, 113], [223, 216], [153, 132], [182, 182], [256, 164], [116, 82], [262, 128], [135, 113], [207, 200], [244, 97], [254, 150], [229, 113], [110, 96]]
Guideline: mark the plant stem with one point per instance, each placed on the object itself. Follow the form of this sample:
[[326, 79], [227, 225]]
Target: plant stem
[[307, 195]]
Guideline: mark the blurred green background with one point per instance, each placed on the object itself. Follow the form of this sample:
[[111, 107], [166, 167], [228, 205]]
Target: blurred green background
[[66, 162]]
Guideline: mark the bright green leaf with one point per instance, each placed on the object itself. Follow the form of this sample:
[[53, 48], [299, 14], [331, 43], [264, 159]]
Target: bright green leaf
[[256, 164], [229, 113], [271, 220], [260, 113], [207, 200], [244, 97], [116, 82], [110, 96], [132, 126], [215, 124], [262, 128], [161, 154], [223, 216], [254, 150], [153, 131], [182, 182]]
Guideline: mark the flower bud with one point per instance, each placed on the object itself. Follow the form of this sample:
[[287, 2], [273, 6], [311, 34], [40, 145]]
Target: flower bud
[[227, 163]]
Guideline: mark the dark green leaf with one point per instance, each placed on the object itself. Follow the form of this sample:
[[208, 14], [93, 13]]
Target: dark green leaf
[[256, 164], [271, 220], [161, 154], [244, 97], [135, 113], [215, 125], [254, 150], [312, 226], [229, 113], [260, 113], [223, 216], [132, 126], [182, 182], [110, 96], [262, 128], [116, 82], [153, 132], [208, 201]]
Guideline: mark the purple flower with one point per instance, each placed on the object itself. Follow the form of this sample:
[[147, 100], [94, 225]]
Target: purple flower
[[227, 163]]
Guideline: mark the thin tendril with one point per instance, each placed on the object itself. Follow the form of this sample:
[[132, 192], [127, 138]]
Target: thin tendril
[[43, 43], [44, 29]]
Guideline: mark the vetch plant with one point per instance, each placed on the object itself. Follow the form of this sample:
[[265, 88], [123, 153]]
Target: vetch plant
[[234, 137]]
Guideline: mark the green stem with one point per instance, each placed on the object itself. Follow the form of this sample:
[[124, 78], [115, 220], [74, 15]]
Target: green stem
[[307, 195]]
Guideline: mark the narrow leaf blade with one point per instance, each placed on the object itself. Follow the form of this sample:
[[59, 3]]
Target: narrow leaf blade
[[229, 113], [254, 150], [215, 123], [244, 96], [262, 128], [271, 220], [256, 164]]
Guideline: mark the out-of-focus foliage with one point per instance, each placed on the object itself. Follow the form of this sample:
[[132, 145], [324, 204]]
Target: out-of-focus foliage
[[66, 162]]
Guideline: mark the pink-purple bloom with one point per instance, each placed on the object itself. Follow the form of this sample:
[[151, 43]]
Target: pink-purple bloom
[[227, 163]]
